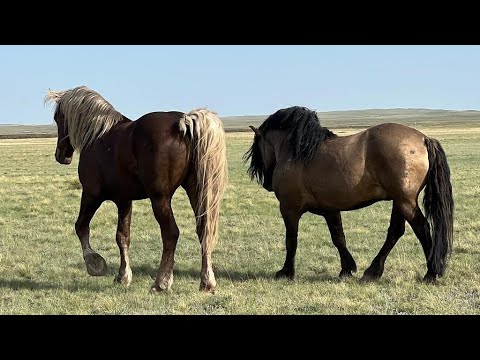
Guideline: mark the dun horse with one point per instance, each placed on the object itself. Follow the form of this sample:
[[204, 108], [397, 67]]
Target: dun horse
[[310, 169], [123, 160]]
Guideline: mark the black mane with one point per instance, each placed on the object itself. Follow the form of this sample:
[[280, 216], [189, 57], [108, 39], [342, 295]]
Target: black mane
[[304, 135]]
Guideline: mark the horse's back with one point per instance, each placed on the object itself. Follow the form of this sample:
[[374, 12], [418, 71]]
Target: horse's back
[[394, 131], [157, 124]]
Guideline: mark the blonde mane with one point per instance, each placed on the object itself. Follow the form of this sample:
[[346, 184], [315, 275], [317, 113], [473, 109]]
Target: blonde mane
[[88, 116]]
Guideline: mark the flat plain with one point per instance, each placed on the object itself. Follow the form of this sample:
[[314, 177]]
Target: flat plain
[[42, 270]]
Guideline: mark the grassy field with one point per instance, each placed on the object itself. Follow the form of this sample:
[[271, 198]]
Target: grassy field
[[42, 270]]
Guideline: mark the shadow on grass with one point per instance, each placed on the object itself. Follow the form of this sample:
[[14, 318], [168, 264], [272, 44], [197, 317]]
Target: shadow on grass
[[146, 270], [326, 277], [26, 284], [237, 276], [233, 275]]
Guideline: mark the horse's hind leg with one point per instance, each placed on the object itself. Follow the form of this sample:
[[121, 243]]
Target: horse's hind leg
[[421, 228], [162, 210], [395, 232], [334, 222], [123, 241], [96, 265]]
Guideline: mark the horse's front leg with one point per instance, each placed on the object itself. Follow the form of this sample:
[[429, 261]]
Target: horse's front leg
[[96, 265], [123, 241], [291, 219]]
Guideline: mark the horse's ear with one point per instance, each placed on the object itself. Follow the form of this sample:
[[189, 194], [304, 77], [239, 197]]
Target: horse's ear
[[255, 130]]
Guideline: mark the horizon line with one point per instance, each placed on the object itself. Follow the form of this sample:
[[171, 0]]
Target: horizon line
[[324, 111]]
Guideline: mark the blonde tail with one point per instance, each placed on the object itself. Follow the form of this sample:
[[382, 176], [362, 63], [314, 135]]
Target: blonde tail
[[209, 156]]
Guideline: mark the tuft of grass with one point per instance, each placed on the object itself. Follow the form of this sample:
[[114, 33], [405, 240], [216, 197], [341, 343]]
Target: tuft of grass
[[42, 270], [75, 184]]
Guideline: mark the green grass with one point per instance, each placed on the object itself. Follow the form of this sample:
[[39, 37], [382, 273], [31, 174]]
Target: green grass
[[42, 270]]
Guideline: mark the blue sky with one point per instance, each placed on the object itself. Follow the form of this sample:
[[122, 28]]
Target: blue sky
[[240, 80]]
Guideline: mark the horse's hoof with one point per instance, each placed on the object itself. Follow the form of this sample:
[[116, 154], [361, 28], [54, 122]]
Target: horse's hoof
[[164, 285], [96, 265], [430, 279], [126, 279], [207, 288], [367, 278], [156, 289], [285, 274], [345, 274], [372, 274], [208, 283]]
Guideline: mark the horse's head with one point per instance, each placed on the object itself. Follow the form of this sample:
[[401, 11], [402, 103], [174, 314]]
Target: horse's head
[[263, 159], [82, 116], [64, 150]]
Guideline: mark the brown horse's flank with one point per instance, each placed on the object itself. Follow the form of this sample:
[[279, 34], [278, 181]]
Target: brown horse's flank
[[123, 160], [310, 169]]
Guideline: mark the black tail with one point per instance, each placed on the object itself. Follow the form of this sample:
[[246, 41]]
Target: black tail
[[438, 203]]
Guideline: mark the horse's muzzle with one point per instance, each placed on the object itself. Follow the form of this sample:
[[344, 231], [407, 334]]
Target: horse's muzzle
[[268, 186], [64, 160]]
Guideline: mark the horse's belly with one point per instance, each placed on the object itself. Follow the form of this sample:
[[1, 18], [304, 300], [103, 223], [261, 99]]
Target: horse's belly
[[126, 190], [348, 199]]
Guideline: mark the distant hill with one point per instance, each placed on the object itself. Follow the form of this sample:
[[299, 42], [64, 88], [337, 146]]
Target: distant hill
[[27, 131], [330, 119], [365, 118]]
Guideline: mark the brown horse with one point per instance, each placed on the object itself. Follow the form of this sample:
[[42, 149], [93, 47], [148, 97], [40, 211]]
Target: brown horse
[[123, 160], [311, 169]]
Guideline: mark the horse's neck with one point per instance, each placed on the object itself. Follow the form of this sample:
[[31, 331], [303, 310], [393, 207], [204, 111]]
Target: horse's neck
[[124, 119], [120, 124], [278, 139]]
